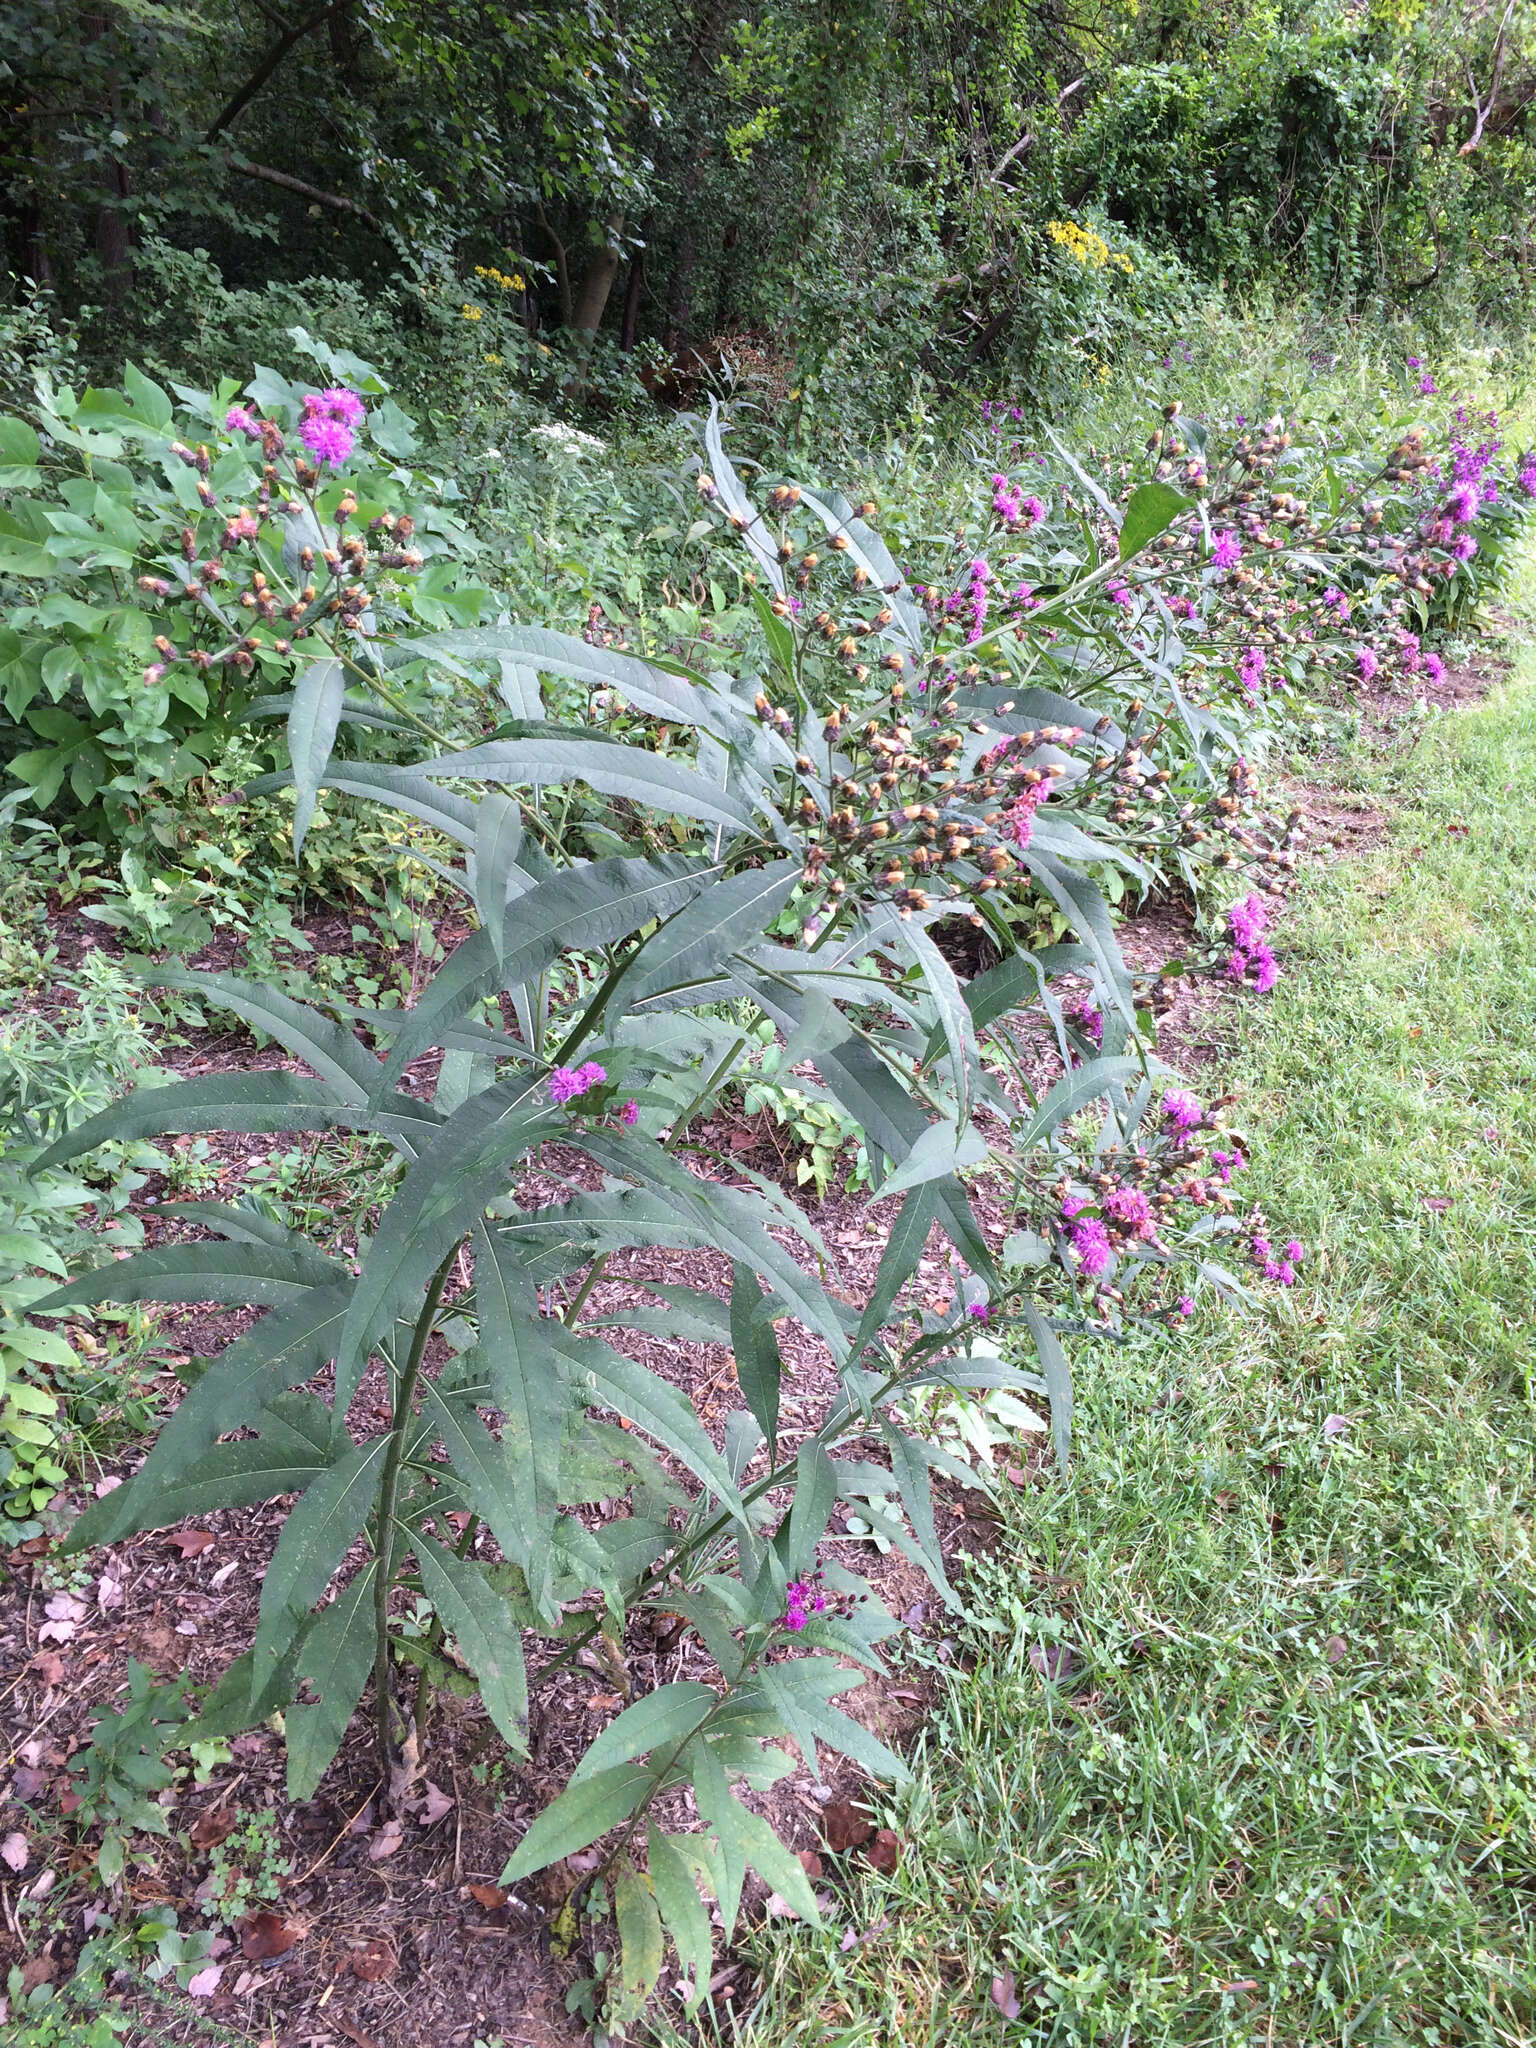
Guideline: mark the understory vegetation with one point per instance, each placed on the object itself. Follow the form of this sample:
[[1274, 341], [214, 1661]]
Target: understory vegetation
[[729, 1270]]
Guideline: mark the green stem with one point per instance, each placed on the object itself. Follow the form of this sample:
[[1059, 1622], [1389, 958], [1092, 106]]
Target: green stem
[[389, 1487]]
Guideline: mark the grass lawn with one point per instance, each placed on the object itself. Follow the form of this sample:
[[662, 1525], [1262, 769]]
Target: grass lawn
[[1285, 1790]]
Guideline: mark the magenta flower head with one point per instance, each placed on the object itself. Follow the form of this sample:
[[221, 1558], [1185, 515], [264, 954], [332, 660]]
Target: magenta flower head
[[1186, 1305], [1463, 502], [566, 1083], [240, 420], [630, 1113], [979, 1312], [1366, 663], [1182, 1110], [326, 439], [1434, 668], [1227, 553], [1427, 385], [1090, 1241], [343, 405]]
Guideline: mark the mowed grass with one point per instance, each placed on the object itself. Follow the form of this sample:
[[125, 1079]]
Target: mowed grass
[[1284, 1794]]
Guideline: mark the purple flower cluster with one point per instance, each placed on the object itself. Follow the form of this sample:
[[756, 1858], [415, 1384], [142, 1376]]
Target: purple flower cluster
[[1017, 512], [1250, 954], [240, 420], [1227, 552], [1251, 672], [330, 423], [1182, 1110], [1366, 663], [1089, 1021], [566, 1083], [1281, 1266], [801, 1602]]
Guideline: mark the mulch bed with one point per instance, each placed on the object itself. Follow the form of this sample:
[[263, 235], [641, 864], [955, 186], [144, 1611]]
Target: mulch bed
[[393, 1932]]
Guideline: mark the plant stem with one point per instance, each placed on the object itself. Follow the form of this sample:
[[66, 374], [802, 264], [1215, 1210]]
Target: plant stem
[[389, 1487]]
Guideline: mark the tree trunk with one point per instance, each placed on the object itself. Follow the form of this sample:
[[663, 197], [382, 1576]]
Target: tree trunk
[[591, 300]]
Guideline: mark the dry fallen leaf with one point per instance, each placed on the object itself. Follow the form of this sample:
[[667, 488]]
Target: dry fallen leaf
[[374, 1961], [487, 1894], [1052, 1661], [884, 1852], [436, 1803], [191, 1542], [1335, 1649], [386, 1841], [810, 1863], [13, 1850], [206, 1982], [264, 1935], [49, 1666], [211, 1827], [1005, 1997], [844, 1826]]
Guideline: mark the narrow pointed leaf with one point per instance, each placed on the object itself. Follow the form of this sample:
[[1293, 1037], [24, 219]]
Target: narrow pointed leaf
[[756, 1349], [659, 1722], [910, 1470], [640, 1944], [578, 1817], [1058, 1381], [653, 781], [682, 1911], [334, 1659], [402, 789], [314, 1540], [253, 1275], [530, 1385], [317, 703], [328, 1047], [479, 1620]]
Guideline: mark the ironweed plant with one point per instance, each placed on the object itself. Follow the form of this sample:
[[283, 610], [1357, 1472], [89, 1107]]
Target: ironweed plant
[[803, 840]]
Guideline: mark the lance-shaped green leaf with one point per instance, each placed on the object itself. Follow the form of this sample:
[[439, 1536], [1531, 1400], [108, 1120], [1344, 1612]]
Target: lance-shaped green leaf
[[661, 692], [530, 1385], [497, 878], [1083, 903], [654, 781], [691, 945], [334, 1660], [938, 1154], [799, 1690], [314, 1540], [482, 1466], [756, 1349], [328, 1047], [867, 551], [640, 1944], [943, 989], [657, 1408], [1058, 1381], [661, 1721], [1071, 1093], [910, 1470], [578, 1817], [747, 1839], [234, 1475], [682, 1911], [318, 692], [779, 636], [235, 1220], [744, 515], [811, 1509], [1152, 509], [402, 789], [445, 1188], [286, 1347], [213, 1102], [596, 904], [904, 1247], [479, 1620], [355, 710], [253, 1275]]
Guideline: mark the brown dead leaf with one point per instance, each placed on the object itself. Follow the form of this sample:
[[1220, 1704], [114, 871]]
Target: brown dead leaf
[[264, 1935], [211, 1827], [884, 1852], [374, 1961], [436, 1803], [489, 1895], [603, 1702], [1335, 1649], [38, 1970], [191, 1542], [1005, 1996], [845, 1826], [810, 1863], [13, 1850], [386, 1841], [49, 1666]]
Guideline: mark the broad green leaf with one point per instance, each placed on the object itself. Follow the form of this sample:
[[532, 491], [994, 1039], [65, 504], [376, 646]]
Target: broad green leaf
[[334, 1661], [811, 1510], [248, 1274], [657, 1408], [336, 1056], [484, 1469], [662, 1721], [1081, 899], [317, 702], [1153, 507], [743, 513], [910, 1470], [529, 1384], [479, 1620], [216, 1102], [779, 636], [904, 1247], [749, 1839], [937, 1155], [497, 878], [640, 1943], [690, 947], [445, 1188], [314, 1540], [233, 1475], [756, 1349], [285, 1348], [682, 1911], [658, 691], [1083, 1085], [654, 781], [578, 1817], [802, 1685], [1058, 1381], [402, 789]]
